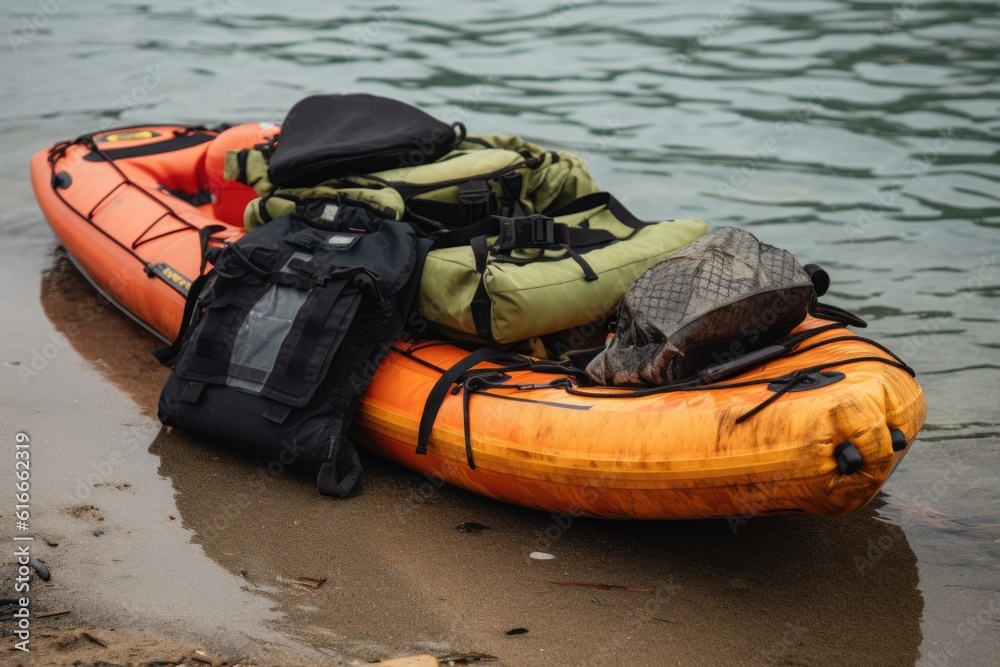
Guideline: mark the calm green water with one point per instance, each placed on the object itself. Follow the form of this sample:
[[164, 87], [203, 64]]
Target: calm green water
[[863, 136]]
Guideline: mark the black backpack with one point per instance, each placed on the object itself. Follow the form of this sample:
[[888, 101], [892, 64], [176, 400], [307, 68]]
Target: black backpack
[[281, 337]]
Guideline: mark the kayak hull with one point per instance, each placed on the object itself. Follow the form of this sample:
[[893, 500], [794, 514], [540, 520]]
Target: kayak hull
[[131, 224]]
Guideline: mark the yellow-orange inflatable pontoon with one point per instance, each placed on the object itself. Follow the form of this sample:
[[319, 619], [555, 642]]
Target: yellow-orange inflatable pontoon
[[128, 205]]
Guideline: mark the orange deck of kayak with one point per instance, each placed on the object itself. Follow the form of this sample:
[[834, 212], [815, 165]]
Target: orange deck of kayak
[[673, 455]]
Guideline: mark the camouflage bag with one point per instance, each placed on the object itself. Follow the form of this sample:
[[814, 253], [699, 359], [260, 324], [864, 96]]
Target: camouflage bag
[[723, 296]]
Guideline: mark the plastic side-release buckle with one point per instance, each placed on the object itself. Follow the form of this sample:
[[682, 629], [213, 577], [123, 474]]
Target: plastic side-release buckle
[[474, 192], [475, 196], [532, 231]]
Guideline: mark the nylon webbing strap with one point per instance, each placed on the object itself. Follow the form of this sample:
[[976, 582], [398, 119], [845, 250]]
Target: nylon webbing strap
[[168, 354], [340, 473], [265, 215], [456, 216], [277, 412], [441, 388], [588, 272], [209, 344], [303, 346], [192, 392], [476, 200], [482, 311], [596, 199], [241, 166], [481, 306], [532, 231]]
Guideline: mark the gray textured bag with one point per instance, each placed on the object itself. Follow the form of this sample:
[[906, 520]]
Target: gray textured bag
[[720, 297]]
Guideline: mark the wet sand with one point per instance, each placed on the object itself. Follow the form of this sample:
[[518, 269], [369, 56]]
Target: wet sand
[[164, 535]]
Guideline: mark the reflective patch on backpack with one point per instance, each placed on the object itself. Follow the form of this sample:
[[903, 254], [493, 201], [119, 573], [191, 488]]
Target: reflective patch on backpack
[[329, 212], [261, 335], [343, 240]]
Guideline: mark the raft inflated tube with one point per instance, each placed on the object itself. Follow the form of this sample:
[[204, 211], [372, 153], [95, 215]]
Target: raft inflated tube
[[825, 446]]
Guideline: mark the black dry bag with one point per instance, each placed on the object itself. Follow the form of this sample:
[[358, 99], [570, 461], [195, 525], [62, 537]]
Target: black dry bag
[[329, 136]]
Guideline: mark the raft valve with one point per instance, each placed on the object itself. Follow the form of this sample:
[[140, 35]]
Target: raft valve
[[848, 458], [898, 439]]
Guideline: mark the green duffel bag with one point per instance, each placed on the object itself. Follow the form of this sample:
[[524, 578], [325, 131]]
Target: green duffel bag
[[508, 279], [484, 176]]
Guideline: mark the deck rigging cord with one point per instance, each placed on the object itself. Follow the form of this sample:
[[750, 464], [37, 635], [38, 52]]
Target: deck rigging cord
[[465, 379], [58, 152]]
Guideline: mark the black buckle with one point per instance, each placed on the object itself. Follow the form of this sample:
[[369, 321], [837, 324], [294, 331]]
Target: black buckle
[[475, 197], [474, 192], [532, 231]]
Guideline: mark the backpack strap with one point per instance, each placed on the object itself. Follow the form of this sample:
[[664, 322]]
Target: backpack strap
[[340, 473], [168, 354]]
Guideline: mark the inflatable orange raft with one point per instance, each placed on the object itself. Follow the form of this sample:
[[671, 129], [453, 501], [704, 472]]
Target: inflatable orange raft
[[128, 205]]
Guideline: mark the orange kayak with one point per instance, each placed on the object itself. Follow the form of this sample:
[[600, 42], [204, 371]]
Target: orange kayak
[[128, 206]]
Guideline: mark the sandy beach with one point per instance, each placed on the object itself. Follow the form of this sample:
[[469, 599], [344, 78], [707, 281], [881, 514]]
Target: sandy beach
[[167, 543]]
